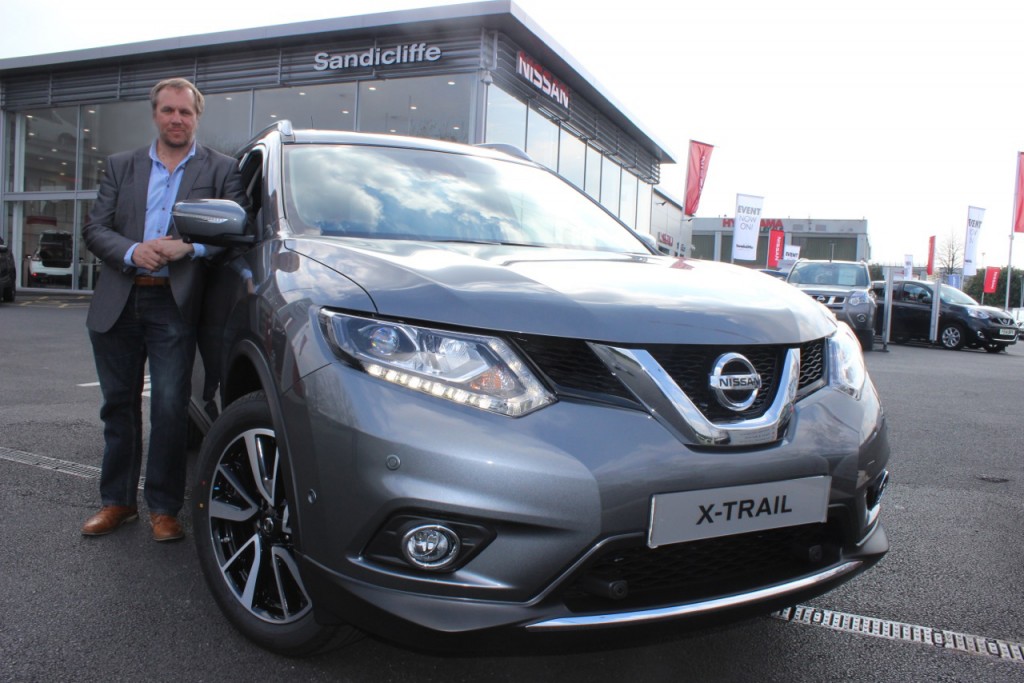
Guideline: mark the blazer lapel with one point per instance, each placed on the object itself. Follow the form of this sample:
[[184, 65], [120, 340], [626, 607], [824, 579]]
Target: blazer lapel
[[188, 179]]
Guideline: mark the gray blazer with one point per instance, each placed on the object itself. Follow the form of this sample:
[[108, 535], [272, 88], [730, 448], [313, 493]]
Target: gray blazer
[[118, 220]]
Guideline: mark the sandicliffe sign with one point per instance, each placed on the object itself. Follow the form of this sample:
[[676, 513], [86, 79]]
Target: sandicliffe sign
[[542, 79], [378, 56]]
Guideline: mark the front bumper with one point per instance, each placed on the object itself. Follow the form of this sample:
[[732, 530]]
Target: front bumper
[[993, 334], [566, 492]]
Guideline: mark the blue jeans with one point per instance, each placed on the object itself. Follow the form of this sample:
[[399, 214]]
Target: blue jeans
[[150, 327]]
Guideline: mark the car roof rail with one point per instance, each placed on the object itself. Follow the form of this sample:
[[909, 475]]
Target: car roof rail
[[284, 127], [506, 148]]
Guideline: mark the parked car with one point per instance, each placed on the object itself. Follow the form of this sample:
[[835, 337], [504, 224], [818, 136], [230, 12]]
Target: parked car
[[844, 287], [454, 398], [8, 273], [51, 261], [963, 322]]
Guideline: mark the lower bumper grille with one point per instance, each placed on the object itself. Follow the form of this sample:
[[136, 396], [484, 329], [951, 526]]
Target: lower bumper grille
[[635, 576]]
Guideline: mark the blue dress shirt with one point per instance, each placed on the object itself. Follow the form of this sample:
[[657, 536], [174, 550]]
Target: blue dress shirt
[[163, 189]]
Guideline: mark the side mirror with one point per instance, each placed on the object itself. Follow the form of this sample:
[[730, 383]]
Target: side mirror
[[4, 248], [217, 222]]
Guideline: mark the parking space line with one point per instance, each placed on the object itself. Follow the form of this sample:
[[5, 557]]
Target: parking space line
[[909, 633]]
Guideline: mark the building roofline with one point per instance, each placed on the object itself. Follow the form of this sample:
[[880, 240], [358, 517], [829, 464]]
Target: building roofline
[[502, 15]]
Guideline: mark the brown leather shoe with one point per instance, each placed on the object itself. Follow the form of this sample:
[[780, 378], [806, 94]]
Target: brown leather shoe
[[165, 527], [108, 519]]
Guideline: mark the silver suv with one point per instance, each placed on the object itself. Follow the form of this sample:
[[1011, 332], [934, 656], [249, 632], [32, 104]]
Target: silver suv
[[845, 288], [460, 400]]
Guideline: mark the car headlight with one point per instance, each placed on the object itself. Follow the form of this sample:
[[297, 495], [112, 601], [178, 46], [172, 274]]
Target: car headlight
[[975, 313], [858, 300], [474, 370], [847, 371]]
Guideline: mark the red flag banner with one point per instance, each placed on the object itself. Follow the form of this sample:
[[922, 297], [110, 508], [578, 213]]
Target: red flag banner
[[1018, 197], [776, 244], [696, 172], [931, 254], [991, 279]]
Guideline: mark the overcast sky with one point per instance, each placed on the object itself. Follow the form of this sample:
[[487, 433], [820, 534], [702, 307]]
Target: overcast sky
[[901, 112]]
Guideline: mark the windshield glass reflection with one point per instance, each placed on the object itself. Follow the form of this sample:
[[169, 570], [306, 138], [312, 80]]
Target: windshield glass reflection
[[391, 193]]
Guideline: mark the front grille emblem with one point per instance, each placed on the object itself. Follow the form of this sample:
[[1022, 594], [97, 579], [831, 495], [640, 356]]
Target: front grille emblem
[[734, 382]]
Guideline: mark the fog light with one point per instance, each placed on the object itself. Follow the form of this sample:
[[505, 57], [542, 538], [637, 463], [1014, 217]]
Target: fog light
[[431, 546], [861, 318]]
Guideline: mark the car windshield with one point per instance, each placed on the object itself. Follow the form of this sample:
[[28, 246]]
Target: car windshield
[[839, 274], [952, 295], [408, 194]]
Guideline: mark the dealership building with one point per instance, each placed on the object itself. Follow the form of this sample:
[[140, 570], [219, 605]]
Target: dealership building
[[473, 73], [826, 239]]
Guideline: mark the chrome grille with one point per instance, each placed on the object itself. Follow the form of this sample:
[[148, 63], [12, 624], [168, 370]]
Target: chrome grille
[[573, 370]]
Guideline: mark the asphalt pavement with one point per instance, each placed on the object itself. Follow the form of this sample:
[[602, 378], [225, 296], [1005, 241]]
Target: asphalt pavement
[[946, 603]]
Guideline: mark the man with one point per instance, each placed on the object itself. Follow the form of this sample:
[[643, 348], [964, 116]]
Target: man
[[146, 305]]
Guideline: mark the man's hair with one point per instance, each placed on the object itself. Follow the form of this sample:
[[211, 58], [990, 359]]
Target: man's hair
[[178, 84]]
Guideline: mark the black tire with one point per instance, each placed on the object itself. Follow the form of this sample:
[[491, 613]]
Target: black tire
[[244, 537], [867, 339], [8, 295], [951, 336]]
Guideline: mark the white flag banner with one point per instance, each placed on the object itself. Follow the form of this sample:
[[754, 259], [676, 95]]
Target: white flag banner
[[908, 266], [974, 218], [747, 227], [791, 252]]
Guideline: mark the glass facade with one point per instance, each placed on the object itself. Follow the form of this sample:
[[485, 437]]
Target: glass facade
[[555, 145], [53, 157], [438, 107]]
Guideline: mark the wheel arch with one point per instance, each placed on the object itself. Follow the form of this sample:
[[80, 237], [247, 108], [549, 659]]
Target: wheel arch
[[249, 371]]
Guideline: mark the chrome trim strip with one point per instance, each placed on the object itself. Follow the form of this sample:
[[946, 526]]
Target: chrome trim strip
[[669, 405], [689, 609]]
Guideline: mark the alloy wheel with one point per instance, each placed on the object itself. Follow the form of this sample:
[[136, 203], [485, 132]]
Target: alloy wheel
[[250, 529]]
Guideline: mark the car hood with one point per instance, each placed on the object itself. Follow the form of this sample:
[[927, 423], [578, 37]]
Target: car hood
[[622, 298], [992, 311], [832, 290]]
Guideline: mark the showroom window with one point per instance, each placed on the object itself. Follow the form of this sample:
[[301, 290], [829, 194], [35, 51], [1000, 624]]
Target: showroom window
[[610, 182], [48, 143], [644, 197], [111, 128], [224, 125], [839, 248], [323, 106], [506, 119], [542, 139], [592, 180], [52, 253], [627, 198], [437, 107], [703, 247], [572, 154]]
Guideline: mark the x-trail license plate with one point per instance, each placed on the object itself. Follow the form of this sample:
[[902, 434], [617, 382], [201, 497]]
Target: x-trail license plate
[[694, 515]]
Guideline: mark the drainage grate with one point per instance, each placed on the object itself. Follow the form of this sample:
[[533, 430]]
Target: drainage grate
[[46, 463], [910, 633]]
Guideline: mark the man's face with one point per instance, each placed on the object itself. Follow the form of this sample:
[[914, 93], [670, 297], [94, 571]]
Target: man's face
[[175, 117]]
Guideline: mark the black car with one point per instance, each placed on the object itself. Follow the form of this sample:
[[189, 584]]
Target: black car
[[8, 273], [458, 399], [963, 322]]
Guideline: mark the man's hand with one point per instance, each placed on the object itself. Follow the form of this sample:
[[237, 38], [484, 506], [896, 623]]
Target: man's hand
[[153, 255]]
